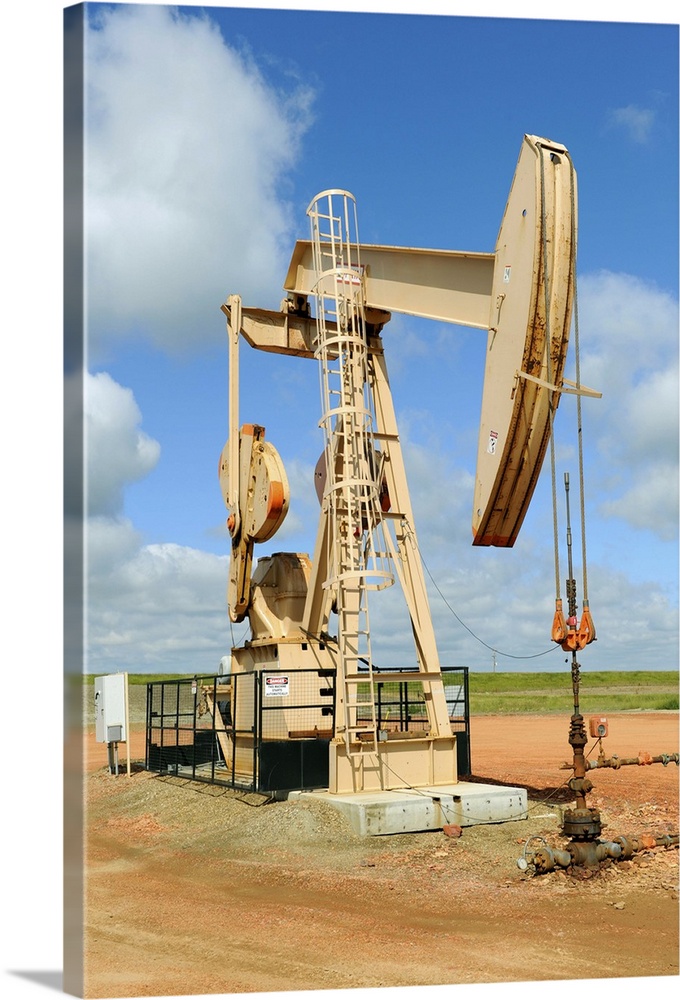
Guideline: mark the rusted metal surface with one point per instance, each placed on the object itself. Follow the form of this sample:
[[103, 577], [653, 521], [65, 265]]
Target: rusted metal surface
[[644, 842], [642, 759], [582, 823], [591, 853]]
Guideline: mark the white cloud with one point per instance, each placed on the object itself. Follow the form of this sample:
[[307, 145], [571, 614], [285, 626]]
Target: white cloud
[[118, 452], [636, 121], [154, 607], [488, 599], [169, 238], [504, 598], [187, 149], [651, 503], [630, 328], [148, 607], [626, 324], [110, 543], [653, 414], [163, 607], [187, 152], [441, 495]]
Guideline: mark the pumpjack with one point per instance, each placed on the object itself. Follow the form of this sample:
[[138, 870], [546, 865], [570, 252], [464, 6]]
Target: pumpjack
[[340, 295]]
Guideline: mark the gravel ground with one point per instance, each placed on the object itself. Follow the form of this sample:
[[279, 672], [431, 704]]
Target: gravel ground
[[297, 901]]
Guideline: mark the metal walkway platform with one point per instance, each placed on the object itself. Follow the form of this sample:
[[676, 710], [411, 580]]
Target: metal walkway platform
[[415, 810]]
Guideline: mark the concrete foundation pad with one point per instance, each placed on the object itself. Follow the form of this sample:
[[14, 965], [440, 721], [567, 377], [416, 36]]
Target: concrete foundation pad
[[414, 810]]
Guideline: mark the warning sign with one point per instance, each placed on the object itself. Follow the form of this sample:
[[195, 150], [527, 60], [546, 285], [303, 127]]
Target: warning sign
[[491, 446], [276, 685]]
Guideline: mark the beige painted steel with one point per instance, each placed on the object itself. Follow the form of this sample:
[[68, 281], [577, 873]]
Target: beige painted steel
[[278, 592], [262, 505], [407, 556], [279, 332], [407, 763], [232, 493], [432, 757], [528, 338], [289, 721], [286, 657], [286, 332], [444, 285], [407, 564]]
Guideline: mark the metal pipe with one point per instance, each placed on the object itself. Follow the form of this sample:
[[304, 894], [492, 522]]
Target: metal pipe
[[641, 760], [590, 853], [644, 842]]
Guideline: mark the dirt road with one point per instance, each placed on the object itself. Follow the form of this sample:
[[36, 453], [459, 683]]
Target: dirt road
[[195, 889]]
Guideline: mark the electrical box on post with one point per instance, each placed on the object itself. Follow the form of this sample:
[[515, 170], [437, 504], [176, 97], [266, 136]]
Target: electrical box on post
[[110, 708], [599, 727]]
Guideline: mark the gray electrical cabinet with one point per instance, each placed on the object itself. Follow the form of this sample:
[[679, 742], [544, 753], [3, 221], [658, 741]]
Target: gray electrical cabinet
[[110, 708], [111, 715]]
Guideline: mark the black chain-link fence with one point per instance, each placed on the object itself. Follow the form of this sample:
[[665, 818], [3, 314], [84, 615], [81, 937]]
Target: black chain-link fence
[[269, 731]]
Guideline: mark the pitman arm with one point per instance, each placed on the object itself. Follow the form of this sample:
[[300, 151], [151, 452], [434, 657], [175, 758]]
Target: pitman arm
[[253, 482]]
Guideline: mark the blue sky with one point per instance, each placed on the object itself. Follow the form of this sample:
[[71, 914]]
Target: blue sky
[[209, 131]]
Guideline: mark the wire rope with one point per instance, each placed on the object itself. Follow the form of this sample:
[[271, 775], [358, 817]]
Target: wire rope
[[493, 649], [579, 416], [553, 473]]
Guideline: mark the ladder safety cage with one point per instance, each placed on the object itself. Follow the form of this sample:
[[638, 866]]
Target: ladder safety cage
[[357, 556]]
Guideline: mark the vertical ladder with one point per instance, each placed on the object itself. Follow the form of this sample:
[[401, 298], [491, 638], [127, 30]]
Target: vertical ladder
[[360, 733], [358, 557]]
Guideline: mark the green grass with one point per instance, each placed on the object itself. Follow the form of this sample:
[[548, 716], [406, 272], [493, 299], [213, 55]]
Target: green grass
[[641, 680], [589, 702], [513, 693], [143, 678], [600, 691]]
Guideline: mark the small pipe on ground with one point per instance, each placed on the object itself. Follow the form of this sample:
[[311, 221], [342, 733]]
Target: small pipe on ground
[[590, 853]]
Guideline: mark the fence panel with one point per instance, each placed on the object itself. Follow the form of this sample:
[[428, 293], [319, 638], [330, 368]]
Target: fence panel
[[296, 724], [260, 731], [400, 707], [269, 731]]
